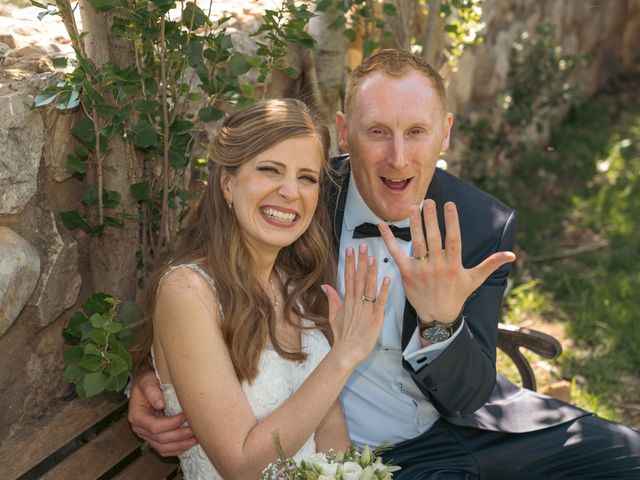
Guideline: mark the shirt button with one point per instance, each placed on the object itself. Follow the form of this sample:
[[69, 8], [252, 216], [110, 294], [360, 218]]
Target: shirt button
[[400, 385], [385, 260]]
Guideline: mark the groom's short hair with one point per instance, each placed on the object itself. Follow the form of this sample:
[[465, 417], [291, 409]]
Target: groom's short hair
[[395, 63]]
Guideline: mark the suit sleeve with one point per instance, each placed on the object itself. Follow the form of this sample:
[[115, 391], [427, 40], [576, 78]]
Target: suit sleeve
[[461, 379]]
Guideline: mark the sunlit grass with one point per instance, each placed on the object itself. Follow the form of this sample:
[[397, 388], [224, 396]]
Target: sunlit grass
[[579, 211]]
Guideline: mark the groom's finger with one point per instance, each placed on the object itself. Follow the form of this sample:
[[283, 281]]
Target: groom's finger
[[392, 245]]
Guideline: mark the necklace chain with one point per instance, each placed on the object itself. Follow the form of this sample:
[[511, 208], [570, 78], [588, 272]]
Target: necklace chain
[[274, 300]]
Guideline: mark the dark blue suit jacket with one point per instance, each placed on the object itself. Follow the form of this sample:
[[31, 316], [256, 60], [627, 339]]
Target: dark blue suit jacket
[[462, 383]]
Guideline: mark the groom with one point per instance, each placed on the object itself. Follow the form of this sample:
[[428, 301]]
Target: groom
[[430, 386]]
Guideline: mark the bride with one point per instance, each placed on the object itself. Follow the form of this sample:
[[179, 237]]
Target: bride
[[247, 337]]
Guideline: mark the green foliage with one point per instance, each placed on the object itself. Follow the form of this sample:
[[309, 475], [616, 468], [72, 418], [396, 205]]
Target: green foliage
[[97, 358], [586, 197]]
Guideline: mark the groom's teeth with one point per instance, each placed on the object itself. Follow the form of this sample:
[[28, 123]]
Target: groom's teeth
[[286, 217], [395, 180]]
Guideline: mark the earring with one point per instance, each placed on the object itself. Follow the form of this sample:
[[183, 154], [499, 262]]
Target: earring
[[230, 205]]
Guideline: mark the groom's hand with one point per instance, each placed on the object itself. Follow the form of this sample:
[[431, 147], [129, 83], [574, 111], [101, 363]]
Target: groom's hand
[[434, 280], [164, 434]]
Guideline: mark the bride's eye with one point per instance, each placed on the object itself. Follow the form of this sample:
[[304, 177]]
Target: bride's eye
[[267, 169]]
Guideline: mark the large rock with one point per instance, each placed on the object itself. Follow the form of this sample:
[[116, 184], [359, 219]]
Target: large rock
[[21, 141], [19, 270], [60, 143], [60, 282]]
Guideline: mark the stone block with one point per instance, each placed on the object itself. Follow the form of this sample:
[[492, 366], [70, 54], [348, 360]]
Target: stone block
[[21, 142], [60, 143], [60, 281], [19, 270]]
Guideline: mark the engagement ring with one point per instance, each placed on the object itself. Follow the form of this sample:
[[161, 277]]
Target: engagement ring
[[367, 299]]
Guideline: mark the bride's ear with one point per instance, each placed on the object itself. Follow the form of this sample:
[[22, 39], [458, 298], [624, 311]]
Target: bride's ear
[[225, 185]]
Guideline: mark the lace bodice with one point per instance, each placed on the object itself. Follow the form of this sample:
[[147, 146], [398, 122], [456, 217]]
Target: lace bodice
[[277, 379]]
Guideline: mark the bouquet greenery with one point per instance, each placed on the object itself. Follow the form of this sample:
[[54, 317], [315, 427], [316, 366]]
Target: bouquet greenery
[[352, 464]]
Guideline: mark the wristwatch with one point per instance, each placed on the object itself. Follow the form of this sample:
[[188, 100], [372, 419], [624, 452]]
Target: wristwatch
[[436, 332]]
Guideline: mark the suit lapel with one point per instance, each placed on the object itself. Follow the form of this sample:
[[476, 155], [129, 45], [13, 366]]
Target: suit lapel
[[336, 196]]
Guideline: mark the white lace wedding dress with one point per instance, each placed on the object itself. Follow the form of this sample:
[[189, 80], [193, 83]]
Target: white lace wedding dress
[[277, 379]]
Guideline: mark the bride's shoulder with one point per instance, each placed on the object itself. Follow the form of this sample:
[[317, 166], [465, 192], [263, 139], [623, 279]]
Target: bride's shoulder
[[185, 278]]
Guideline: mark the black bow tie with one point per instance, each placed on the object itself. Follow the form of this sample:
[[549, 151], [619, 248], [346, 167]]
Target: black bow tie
[[367, 230]]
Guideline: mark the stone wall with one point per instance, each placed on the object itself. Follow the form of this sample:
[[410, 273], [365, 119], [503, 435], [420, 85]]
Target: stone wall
[[606, 32], [42, 265]]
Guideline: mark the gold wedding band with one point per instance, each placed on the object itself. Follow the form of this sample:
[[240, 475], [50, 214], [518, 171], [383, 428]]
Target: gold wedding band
[[421, 257], [367, 299]]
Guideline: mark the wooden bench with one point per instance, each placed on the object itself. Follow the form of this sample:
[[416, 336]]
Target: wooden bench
[[92, 439], [85, 440]]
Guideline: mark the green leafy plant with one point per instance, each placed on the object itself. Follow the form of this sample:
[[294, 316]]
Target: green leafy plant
[[97, 358]]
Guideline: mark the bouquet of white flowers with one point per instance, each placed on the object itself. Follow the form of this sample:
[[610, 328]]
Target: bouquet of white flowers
[[352, 464]]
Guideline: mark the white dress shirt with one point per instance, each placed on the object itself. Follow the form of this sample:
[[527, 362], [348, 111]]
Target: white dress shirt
[[380, 400]]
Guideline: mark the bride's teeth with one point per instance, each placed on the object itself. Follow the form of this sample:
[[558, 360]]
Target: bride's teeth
[[287, 217]]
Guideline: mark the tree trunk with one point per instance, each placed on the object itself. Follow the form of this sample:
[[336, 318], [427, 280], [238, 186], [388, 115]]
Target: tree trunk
[[113, 256], [432, 41], [330, 68]]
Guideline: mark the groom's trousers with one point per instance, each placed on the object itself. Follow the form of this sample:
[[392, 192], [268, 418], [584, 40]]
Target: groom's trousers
[[587, 448]]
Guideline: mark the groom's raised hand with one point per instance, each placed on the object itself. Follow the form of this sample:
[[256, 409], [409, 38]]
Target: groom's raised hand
[[166, 435], [434, 279]]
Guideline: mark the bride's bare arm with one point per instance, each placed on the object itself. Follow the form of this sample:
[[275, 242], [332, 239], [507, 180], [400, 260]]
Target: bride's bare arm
[[332, 433], [191, 354]]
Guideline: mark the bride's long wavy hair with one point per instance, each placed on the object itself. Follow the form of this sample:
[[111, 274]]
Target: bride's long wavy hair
[[213, 240]]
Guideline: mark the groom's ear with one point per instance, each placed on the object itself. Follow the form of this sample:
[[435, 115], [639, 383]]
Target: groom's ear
[[341, 124]]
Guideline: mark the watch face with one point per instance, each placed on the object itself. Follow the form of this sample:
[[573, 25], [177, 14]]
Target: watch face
[[435, 334]]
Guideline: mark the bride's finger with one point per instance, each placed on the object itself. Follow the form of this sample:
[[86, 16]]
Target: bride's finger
[[334, 303], [361, 271], [349, 273], [371, 282]]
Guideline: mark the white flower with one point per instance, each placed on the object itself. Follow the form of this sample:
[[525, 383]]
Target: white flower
[[328, 469], [351, 471], [318, 458]]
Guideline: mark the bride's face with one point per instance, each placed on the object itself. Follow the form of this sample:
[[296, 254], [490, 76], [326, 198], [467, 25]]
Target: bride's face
[[275, 194]]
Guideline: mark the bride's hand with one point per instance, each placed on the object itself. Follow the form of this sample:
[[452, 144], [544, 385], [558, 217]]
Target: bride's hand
[[356, 321]]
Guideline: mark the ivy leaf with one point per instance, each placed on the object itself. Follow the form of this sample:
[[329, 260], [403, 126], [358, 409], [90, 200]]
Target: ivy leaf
[[389, 10], [112, 327], [90, 195], [59, 62], [350, 33], [140, 191], [45, 98], [144, 135], [73, 331], [95, 303], [97, 320], [75, 164], [368, 46], [83, 130], [147, 106], [91, 349], [117, 383], [94, 383], [291, 72], [73, 354], [208, 114], [193, 17], [103, 5], [111, 198], [72, 219], [92, 364], [117, 365], [130, 312], [73, 373], [239, 64]]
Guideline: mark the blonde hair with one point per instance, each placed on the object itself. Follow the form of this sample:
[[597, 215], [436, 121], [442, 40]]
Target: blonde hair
[[212, 238]]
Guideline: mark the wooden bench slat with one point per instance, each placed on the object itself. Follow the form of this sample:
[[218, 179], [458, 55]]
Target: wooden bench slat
[[98, 456], [70, 421], [149, 466]]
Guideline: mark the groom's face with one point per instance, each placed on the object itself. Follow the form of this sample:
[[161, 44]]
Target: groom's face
[[394, 131]]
